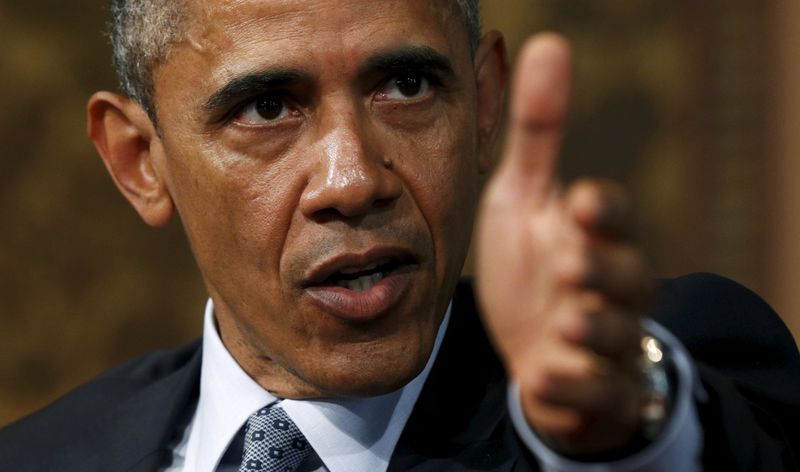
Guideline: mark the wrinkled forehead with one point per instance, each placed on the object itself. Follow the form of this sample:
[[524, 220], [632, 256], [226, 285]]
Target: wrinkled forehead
[[218, 26], [210, 11]]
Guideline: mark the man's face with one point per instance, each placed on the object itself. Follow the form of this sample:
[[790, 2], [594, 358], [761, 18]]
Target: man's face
[[323, 156]]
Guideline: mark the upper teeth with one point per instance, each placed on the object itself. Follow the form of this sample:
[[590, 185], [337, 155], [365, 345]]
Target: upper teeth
[[353, 270], [360, 284]]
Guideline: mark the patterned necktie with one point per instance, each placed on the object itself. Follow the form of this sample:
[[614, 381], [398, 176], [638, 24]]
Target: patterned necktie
[[272, 442]]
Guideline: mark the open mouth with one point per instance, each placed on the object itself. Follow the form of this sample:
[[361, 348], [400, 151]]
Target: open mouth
[[364, 278], [362, 287], [360, 272]]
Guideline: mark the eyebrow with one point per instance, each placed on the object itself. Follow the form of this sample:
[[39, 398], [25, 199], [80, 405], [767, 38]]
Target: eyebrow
[[256, 83], [409, 58], [251, 84]]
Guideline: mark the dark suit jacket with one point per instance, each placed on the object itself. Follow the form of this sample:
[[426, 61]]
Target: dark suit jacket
[[129, 418]]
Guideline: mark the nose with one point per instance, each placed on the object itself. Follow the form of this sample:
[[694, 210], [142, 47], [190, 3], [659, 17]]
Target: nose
[[351, 178]]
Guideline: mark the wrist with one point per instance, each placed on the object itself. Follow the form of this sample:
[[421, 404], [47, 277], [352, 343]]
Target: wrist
[[656, 393]]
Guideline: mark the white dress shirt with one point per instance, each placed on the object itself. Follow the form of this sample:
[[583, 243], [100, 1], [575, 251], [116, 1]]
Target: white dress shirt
[[347, 435], [360, 434]]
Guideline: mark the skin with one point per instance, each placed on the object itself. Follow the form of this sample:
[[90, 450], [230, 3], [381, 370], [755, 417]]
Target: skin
[[559, 277], [351, 166]]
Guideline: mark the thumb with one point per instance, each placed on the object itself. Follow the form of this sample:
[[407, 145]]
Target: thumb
[[539, 104]]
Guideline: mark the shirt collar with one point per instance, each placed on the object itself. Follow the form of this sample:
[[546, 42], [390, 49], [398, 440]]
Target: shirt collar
[[347, 434]]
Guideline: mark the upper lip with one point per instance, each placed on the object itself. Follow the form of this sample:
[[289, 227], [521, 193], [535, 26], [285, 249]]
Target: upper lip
[[355, 261]]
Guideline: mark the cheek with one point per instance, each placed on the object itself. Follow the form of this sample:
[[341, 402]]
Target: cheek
[[236, 211], [442, 174]]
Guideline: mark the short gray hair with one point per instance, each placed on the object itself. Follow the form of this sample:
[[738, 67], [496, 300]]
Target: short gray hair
[[472, 16], [142, 32]]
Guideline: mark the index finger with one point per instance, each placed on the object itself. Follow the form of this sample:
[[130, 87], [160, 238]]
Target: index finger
[[539, 104]]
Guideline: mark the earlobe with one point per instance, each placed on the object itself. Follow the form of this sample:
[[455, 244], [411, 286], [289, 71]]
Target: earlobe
[[131, 149], [491, 75]]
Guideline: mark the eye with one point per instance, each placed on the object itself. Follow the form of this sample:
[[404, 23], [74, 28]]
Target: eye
[[407, 86], [265, 108]]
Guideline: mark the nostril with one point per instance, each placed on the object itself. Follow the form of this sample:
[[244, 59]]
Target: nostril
[[326, 215], [384, 203]]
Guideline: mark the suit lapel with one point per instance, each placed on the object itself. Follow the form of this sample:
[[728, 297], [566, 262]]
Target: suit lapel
[[460, 419], [148, 424]]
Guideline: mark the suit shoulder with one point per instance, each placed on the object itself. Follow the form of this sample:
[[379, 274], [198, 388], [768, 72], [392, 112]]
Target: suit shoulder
[[703, 309], [97, 398], [748, 361], [153, 366]]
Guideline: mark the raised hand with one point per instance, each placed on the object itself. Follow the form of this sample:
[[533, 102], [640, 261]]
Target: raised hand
[[559, 279]]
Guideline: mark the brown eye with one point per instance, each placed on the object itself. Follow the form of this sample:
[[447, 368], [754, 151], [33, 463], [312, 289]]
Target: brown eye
[[404, 87], [409, 85], [269, 107], [264, 109]]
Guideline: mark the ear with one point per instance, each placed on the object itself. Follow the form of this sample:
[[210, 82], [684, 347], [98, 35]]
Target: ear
[[131, 149], [491, 75]]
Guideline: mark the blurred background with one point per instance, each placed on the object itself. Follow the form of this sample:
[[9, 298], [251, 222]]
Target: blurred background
[[693, 104]]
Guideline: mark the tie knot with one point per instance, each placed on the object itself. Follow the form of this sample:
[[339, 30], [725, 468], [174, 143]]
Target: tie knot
[[272, 442]]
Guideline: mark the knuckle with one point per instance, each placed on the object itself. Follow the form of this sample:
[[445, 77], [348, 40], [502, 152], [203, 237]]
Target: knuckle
[[573, 427], [576, 268], [565, 425], [543, 385], [576, 325], [590, 367]]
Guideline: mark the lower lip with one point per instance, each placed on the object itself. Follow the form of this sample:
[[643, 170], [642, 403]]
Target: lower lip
[[352, 305]]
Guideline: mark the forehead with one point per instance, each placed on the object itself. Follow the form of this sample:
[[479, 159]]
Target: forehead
[[226, 37], [288, 19]]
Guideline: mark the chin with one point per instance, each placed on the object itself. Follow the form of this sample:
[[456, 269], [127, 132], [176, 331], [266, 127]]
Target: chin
[[367, 374]]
